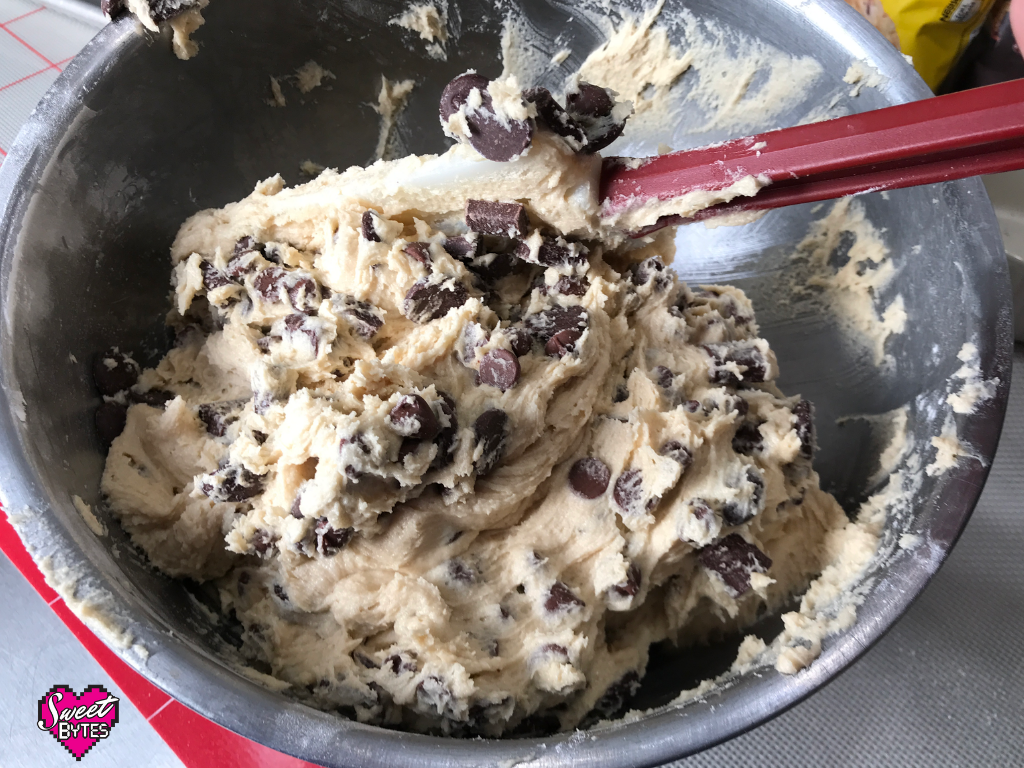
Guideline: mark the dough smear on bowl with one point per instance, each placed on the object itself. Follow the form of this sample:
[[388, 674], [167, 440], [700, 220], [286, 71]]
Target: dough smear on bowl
[[455, 452]]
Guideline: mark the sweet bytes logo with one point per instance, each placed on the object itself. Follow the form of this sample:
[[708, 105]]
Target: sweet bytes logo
[[78, 721]]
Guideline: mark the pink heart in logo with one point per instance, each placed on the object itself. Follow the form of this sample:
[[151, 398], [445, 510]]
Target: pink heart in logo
[[78, 722]]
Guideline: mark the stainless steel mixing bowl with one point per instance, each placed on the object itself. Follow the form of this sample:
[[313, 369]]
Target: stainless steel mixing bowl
[[130, 141]]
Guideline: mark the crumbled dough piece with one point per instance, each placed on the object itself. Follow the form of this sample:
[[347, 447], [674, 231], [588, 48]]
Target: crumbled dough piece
[[431, 22]]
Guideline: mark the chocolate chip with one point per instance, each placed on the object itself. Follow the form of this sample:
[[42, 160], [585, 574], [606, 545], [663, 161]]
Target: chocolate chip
[[110, 419], [241, 264], [232, 484], [701, 509], [803, 412], [652, 268], [462, 248], [491, 267], [677, 451], [330, 541], [417, 252], [733, 559], [592, 108], [114, 372], [162, 10], [743, 354], [691, 406], [219, 416], [621, 394], [301, 328], [589, 477], [572, 286], [615, 697], [520, 340], [489, 431], [741, 406], [363, 318], [560, 599], [552, 252], [268, 284], [365, 661], [368, 226], [740, 510], [445, 440], [296, 510], [544, 325], [629, 492], [458, 571], [303, 292], [213, 278], [412, 417], [259, 437], [399, 664], [499, 368], [281, 594], [261, 541], [408, 447], [663, 376], [157, 398], [631, 586], [493, 138], [427, 300], [563, 342], [551, 115], [472, 338], [249, 244], [747, 439], [434, 695], [494, 218], [112, 8]]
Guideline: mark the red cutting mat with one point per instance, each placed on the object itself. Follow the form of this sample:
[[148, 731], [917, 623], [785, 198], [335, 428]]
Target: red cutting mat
[[196, 741]]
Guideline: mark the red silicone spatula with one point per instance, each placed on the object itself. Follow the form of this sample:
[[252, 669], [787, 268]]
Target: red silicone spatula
[[947, 137]]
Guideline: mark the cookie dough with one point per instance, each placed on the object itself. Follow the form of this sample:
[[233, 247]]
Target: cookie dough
[[456, 453]]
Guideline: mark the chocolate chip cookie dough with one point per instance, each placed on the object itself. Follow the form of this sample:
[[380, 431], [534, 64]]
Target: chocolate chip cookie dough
[[455, 452]]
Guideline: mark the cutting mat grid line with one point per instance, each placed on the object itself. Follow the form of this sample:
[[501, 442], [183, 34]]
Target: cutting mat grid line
[[36, 43]]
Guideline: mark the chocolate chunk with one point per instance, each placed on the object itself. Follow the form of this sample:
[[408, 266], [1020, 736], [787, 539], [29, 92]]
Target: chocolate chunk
[[803, 413], [649, 269], [572, 286], [733, 559], [628, 492], [281, 594], [473, 337], [231, 483], [417, 252], [445, 439], [433, 695], [631, 586], [461, 247], [741, 406], [459, 571], [241, 264], [491, 137], [219, 416], [746, 355], [112, 8], [663, 376], [747, 439], [520, 340], [499, 368], [301, 328], [368, 226], [259, 437], [303, 292], [330, 541], [615, 697], [493, 218], [296, 510], [489, 431], [157, 398], [412, 417], [544, 325], [408, 446], [114, 372], [261, 541], [551, 115], [213, 278], [363, 318], [428, 300], [561, 599], [268, 284], [563, 342], [592, 108], [589, 477], [691, 406], [110, 419], [621, 394], [249, 244], [162, 10], [677, 451], [740, 510], [491, 267], [552, 252]]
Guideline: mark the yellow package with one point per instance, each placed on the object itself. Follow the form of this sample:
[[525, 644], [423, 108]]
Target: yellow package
[[932, 32]]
